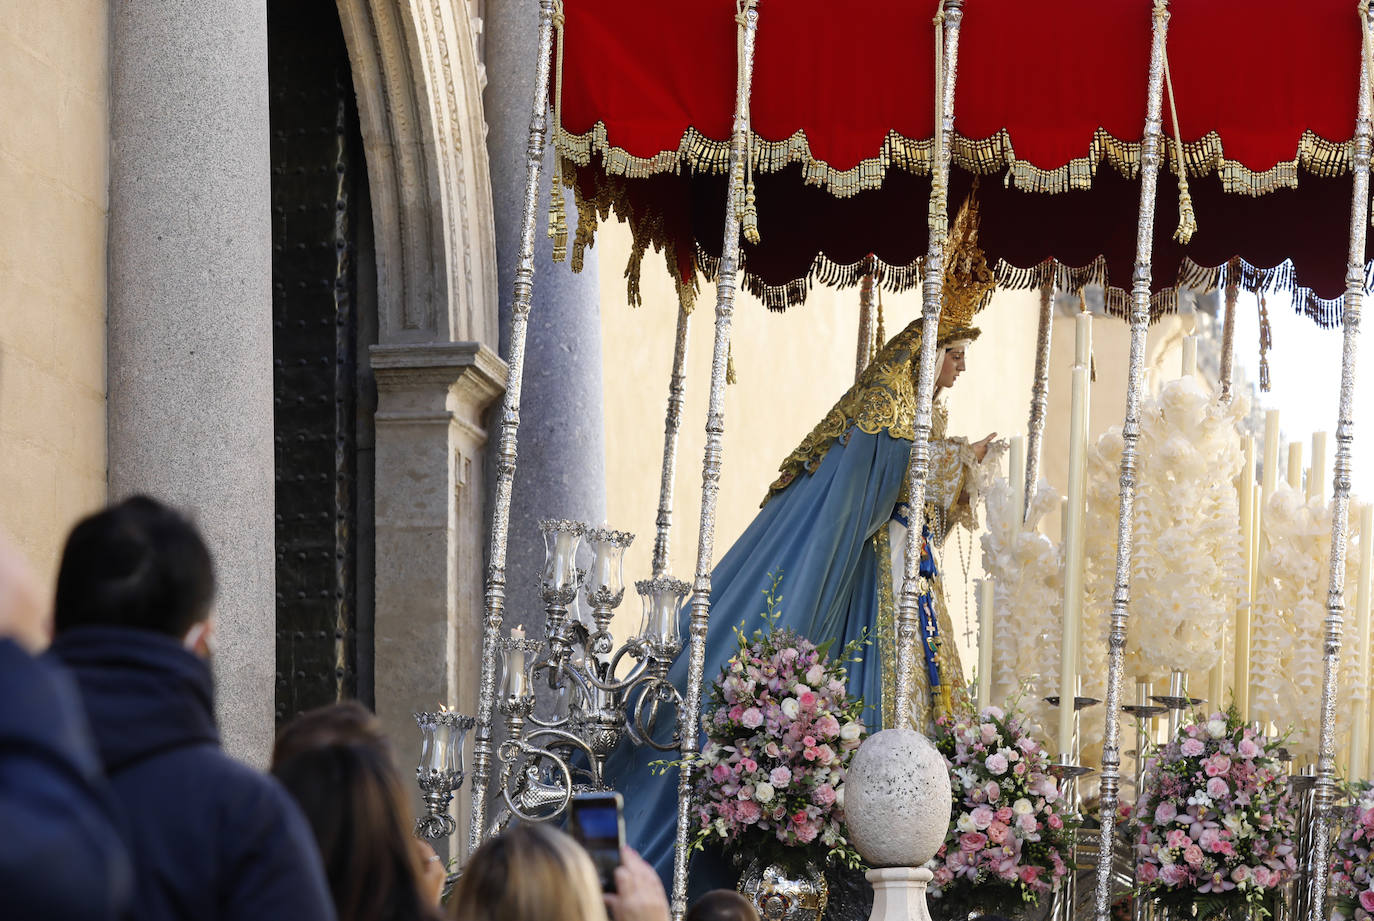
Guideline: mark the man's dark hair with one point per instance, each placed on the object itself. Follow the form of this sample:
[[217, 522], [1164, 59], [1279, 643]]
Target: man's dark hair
[[722, 905], [135, 564]]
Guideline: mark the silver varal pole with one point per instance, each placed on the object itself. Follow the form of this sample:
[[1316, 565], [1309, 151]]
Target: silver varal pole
[[1121, 596], [1040, 393], [867, 322], [1228, 334], [510, 424], [925, 381], [726, 283], [1340, 497], [672, 423]]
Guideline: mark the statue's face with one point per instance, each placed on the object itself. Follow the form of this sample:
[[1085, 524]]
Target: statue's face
[[951, 366]]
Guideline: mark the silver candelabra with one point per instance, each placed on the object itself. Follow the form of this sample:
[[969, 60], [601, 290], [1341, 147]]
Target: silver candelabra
[[596, 698]]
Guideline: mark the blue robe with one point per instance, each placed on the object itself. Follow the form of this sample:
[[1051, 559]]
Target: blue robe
[[817, 533]]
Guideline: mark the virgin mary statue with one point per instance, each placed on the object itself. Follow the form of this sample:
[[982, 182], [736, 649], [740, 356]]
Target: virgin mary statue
[[833, 528]]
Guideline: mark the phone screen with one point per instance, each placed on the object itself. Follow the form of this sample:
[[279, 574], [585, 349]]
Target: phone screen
[[595, 821]]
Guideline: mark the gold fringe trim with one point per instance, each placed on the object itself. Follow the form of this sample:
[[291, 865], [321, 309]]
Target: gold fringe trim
[[697, 152]]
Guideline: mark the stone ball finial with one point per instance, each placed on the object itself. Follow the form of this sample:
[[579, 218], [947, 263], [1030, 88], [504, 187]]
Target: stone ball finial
[[897, 799]]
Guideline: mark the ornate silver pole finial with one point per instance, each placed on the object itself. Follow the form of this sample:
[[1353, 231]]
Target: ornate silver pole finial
[[1340, 496], [726, 284], [510, 424], [1228, 329], [672, 424], [1135, 387]]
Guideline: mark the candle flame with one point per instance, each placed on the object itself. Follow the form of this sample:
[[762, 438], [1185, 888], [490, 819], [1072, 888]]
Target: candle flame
[[442, 708]]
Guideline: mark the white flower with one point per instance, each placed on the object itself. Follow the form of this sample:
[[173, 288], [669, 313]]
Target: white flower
[[839, 796], [814, 675], [1216, 728], [849, 731], [721, 828], [1022, 807], [763, 793], [790, 707], [965, 823]]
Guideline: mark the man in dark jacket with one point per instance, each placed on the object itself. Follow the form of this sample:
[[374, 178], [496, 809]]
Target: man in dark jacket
[[60, 853], [209, 837]]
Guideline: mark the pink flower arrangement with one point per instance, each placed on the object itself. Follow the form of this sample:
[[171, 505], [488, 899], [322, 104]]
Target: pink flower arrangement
[[1352, 862], [1010, 827], [1213, 827], [781, 731]]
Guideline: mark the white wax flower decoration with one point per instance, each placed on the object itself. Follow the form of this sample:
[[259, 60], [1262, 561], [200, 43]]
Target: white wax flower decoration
[[1289, 626]]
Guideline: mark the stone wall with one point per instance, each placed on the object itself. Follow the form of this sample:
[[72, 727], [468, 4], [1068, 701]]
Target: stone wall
[[54, 163]]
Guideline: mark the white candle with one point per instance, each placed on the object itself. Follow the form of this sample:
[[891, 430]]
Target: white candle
[[1083, 339], [985, 641], [515, 665], [1359, 744], [1316, 474], [1016, 480], [1189, 356], [1216, 679], [1245, 487], [1295, 465], [1073, 562], [1269, 476]]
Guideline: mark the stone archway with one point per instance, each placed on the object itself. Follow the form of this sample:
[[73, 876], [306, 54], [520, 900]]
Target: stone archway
[[418, 79]]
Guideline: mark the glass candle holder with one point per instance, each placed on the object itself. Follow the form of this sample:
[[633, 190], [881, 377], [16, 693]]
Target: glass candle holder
[[660, 624], [561, 539], [606, 578], [517, 661]]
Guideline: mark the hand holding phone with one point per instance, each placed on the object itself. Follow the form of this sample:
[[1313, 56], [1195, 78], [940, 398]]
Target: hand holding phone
[[639, 894], [596, 820]]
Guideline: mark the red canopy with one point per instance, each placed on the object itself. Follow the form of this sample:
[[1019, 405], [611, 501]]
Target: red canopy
[[1049, 106]]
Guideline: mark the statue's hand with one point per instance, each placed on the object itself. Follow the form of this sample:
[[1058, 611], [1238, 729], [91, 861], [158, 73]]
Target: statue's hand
[[980, 448]]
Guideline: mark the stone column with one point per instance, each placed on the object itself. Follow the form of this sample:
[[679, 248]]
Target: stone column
[[190, 311], [430, 440], [561, 471]]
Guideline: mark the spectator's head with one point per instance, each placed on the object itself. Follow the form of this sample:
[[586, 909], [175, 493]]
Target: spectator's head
[[722, 905], [530, 873], [338, 766], [137, 564]]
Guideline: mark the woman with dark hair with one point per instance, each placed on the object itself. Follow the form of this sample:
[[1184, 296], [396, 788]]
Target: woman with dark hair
[[340, 768]]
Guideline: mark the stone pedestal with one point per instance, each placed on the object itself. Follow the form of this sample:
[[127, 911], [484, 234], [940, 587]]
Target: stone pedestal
[[430, 440], [190, 311], [899, 893]]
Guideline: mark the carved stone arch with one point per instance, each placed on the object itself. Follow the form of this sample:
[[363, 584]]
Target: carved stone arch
[[418, 79]]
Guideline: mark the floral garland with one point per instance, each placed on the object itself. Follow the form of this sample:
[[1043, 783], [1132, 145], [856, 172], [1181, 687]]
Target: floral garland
[[781, 731], [1011, 828], [1028, 592], [1213, 825], [1352, 862]]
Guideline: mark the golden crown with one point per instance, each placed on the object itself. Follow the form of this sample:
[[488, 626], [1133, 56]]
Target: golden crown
[[968, 279]]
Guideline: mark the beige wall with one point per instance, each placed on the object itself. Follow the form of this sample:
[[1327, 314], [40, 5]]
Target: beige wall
[[791, 369], [54, 139]]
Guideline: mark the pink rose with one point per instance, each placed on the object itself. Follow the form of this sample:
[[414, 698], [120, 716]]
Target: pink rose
[[982, 817], [1248, 749], [1030, 874], [824, 795], [780, 777], [1216, 765], [996, 764], [1055, 822], [748, 765], [993, 791], [1178, 838], [1217, 788], [1147, 872], [807, 831], [997, 832], [736, 712], [748, 812], [1165, 813], [1004, 814], [809, 741], [1240, 874], [720, 773], [1192, 748], [987, 732], [827, 727], [972, 841], [1026, 822], [807, 700], [751, 718], [772, 750], [1192, 854], [1367, 900]]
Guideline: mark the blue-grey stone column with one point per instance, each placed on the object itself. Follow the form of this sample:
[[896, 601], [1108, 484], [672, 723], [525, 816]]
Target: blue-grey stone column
[[561, 471], [190, 311]]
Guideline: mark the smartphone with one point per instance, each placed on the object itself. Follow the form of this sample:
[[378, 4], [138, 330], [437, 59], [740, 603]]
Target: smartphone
[[597, 821]]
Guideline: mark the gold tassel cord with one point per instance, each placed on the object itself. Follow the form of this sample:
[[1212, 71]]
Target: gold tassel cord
[[558, 217], [1187, 220], [748, 212]]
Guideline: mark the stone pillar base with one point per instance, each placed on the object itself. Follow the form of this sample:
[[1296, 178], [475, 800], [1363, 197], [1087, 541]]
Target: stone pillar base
[[899, 893]]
